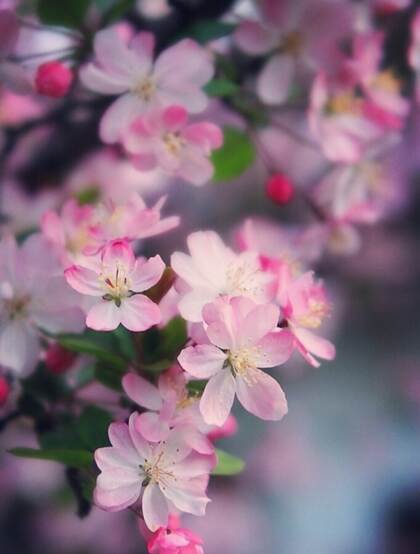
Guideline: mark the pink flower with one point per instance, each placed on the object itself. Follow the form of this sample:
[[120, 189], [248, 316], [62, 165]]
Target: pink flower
[[242, 337], [128, 70], [165, 139], [116, 283], [9, 32], [214, 270], [53, 79], [80, 231], [174, 539], [33, 296], [165, 474], [169, 405], [414, 50], [294, 33], [304, 306]]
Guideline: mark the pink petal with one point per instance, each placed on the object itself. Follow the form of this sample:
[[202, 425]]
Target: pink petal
[[187, 497], [118, 252], [253, 38], [119, 115], [195, 167], [153, 427], [143, 44], [218, 397], [141, 392], [84, 280], [116, 499], [204, 134], [96, 79], [275, 79], [112, 458], [275, 349], [191, 304], [155, 507], [202, 361], [139, 313], [174, 118], [120, 438], [318, 346], [19, 347], [104, 316], [147, 273], [140, 443], [259, 322], [117, 58], [261, 395]]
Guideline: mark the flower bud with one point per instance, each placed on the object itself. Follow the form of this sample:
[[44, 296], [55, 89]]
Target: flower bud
[[53, 79], [279, 189], [4, 390], [58, 359]]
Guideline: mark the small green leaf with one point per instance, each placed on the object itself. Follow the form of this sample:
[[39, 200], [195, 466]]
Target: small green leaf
[[116, 9], [235, 156], [174, 336], [109, 376], [227, 464], [206, 30], [221, 87], [85, 344], [89, 195], [72, 458], [66, 14], [196, 387], [93, 427]]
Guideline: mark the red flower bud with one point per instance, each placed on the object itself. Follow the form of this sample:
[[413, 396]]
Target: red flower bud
[[58, 359], [4, 391], [53, 79], [279, 189]]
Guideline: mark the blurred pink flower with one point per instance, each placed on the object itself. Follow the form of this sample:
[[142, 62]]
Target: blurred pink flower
[[173, 539], [165, 139], [129, 71]]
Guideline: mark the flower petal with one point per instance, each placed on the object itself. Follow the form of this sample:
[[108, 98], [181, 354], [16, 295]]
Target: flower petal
[[261, 395], [139, 313], [202, 361], [218, 397], [141, 392], [104, 316], [155, 507]]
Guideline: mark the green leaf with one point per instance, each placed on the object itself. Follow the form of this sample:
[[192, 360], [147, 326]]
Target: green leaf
[[65, 436], [89, 195], [227, 464], [235, 156], [72, 458], [173, 337], [221, 87], [66, 14], [86, 344], [196, 387], [93, 427], [109, 376], [116, 9], [206, 30]]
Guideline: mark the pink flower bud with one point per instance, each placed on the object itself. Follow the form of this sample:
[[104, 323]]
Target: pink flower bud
[[58, 359], [53, 79], [279, 189], [4, 391]]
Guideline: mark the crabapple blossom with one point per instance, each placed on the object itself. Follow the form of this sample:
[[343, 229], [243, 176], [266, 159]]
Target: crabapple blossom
[[173, 539], [165, 139], [242, 337], [171, 404], [53, 79], [304, 306], [116, 281], [81, 231], [34, 296], [129, 71], [294, 34], [163, 475], [214, 270], [279, 189]]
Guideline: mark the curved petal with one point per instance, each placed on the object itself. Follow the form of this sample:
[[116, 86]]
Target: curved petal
[[104, 316], [84, 280], [120, 114], [261, 395], [202, 361], [146, 273], [253, 38], [141, 392], [116, 499], [96, 79], [218, 397], [155, 507], [274, 349], [139, 313], [153, 427], [275, 79], [259, 322]]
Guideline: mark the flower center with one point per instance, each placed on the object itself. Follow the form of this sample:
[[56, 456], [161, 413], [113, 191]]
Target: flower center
[[292, 43], [144, 88], [242, 361], [154, 472], [16, 306], [116, 284], [317, 311], [387, 81], [174, 143], [242, 279], [344, 103]]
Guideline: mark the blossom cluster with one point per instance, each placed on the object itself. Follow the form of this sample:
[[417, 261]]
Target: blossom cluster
[[88, 263]]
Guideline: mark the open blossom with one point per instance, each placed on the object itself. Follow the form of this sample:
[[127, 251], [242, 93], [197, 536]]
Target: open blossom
[[214, 270], [295, 34], [304, 306], [165, 139], [80, 231], [34, 296], [242, 338], [176, 77], [173, 539], [169, 405], [116, 283], [163, 475]]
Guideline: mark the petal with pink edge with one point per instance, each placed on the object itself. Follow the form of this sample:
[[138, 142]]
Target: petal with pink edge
[[84, 280], [218, 397], [202, 361], [274, 349], [261, 395], [146, 273], [139, 313], [141, 392]]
